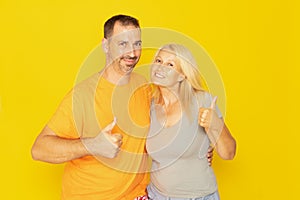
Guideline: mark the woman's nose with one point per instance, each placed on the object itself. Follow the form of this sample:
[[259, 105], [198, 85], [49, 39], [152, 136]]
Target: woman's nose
[[161, 67]]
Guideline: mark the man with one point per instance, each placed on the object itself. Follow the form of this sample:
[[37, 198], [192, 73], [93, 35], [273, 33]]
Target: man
[[99, 128]]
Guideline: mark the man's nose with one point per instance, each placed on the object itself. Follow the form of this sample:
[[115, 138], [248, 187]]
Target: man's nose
[[130, 50]]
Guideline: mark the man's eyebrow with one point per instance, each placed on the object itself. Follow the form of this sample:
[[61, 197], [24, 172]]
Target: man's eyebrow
[[127, 41], [121, 41]]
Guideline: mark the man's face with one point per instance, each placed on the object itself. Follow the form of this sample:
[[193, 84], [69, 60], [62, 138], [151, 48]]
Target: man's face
[[124, 48]]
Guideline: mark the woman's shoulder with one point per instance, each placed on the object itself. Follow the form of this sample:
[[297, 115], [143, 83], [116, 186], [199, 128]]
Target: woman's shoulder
[[204, 97]]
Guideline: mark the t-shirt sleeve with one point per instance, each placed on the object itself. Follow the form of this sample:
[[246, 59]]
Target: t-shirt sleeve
[[63, 120]]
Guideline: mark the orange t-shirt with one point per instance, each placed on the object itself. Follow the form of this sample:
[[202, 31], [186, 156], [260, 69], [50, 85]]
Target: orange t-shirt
[[88, 108]]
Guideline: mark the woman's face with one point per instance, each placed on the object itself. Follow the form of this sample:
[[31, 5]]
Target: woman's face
[[165, 69]]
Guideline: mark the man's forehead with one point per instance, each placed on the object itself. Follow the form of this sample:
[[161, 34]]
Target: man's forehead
[[129, 31]]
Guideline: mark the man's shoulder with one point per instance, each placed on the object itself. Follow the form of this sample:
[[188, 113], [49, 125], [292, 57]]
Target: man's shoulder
[[88, 83], [136, 77], [87, 87]]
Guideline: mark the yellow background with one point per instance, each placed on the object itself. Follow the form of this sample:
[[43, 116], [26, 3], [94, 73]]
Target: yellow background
[[254, 44]]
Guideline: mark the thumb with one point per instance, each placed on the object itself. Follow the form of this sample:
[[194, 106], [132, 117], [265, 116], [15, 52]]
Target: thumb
[[110, 126], [213, 103], [116, 137]]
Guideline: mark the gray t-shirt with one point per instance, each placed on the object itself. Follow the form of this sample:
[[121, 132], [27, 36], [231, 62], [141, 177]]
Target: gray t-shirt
[[180, 167]]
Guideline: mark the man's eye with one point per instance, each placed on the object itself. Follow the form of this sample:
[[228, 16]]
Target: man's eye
[[138, 44], [122, 44], [170, 64]]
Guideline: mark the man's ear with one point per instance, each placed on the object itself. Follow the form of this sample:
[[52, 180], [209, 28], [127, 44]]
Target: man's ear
[[105, 45]]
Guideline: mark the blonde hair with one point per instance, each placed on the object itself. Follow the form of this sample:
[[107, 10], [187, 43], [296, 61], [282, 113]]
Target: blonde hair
[[189, 68]]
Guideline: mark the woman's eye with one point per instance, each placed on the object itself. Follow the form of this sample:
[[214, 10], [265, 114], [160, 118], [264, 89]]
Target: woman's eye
[[170, 64], [157, 61]]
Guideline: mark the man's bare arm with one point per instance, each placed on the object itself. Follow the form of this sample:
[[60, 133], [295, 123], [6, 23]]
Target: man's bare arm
[[49, 147]]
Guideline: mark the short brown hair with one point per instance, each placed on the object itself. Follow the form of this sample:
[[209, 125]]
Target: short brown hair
[[125, 20]]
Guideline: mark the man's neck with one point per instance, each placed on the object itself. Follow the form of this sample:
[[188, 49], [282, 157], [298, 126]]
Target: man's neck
[[115, 77]]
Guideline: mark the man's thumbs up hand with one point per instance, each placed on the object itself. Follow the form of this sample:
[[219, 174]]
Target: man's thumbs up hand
[[105, 143], [115, 139]]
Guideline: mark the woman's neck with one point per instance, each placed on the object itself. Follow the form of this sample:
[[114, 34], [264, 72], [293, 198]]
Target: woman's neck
[[169, 96], [171, 111]]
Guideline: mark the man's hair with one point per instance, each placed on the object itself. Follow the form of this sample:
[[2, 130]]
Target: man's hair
[[125, 20]]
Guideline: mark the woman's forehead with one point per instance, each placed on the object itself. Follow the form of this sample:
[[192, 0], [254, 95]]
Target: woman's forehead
[[167, 54]]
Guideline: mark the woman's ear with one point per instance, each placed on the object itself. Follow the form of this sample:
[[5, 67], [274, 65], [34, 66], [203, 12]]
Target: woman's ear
[[105, 45], [181, 77]]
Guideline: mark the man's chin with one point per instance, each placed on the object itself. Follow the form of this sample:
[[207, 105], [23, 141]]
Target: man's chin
[[128, 70]]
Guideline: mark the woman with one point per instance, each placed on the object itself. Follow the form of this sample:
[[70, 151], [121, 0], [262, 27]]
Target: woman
[[184, 122]]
